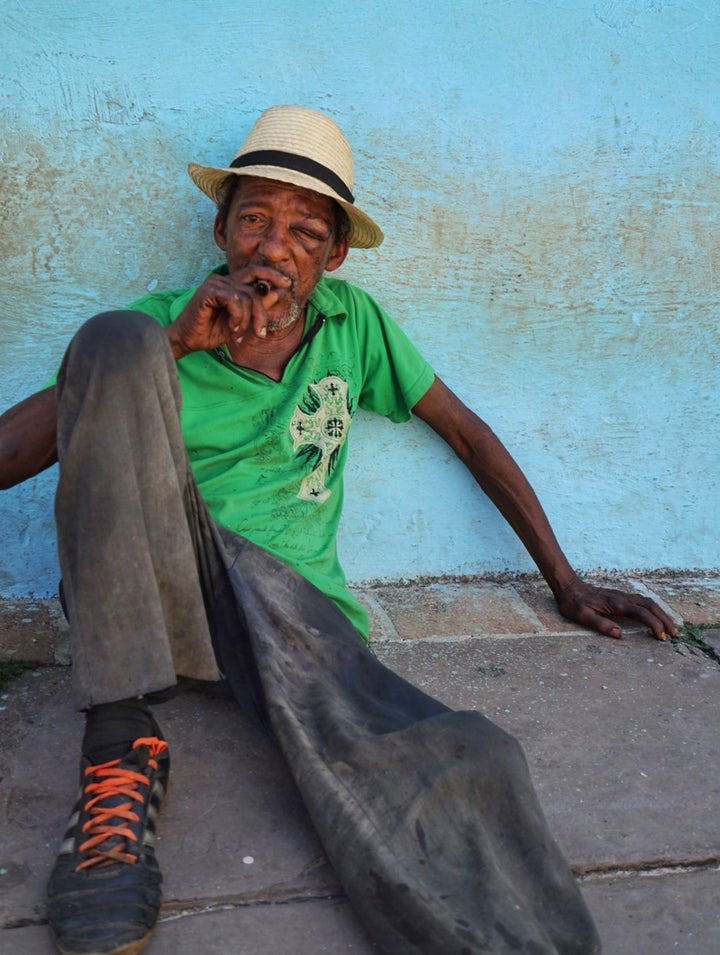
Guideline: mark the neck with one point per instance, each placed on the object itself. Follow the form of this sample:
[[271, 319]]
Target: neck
[[271, 354]]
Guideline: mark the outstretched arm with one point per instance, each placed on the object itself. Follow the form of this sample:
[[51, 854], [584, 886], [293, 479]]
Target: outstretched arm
[[504, 483], [28, 438]]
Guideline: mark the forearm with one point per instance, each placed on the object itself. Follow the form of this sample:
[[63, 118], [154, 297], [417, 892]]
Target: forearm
[[499, 476], [501, 479], [503, 482], [28, 438]]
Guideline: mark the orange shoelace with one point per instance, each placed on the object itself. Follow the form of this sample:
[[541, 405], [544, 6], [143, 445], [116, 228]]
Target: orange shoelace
[[109, 822]]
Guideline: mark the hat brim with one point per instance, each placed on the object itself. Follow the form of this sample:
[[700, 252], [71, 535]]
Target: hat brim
[[365, 233]]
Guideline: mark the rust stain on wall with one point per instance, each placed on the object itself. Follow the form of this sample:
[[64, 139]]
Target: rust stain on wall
[[580, 256]]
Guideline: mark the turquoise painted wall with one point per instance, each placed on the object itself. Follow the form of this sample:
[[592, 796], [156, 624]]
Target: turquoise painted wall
[[547, 175]]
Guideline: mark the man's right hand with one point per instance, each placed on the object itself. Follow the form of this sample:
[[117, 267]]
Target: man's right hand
[[224, 309]]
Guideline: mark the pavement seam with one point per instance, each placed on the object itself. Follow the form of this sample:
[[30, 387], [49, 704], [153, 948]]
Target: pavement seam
[[467, 637], [173, 911], [647, 870], [176, 909]]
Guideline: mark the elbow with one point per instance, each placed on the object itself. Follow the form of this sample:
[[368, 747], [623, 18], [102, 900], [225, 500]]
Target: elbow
[[15, 467]]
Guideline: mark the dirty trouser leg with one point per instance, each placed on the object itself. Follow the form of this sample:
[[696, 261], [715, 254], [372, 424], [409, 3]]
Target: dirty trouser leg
[[129, 522], [428, 816]]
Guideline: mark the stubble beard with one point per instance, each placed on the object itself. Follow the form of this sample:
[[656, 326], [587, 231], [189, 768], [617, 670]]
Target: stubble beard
[[291, 314]]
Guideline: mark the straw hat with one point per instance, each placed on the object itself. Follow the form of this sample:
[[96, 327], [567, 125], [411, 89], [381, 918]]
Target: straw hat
[[300, 146]]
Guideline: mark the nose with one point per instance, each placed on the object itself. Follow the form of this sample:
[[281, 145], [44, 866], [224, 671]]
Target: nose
[[275, 241]]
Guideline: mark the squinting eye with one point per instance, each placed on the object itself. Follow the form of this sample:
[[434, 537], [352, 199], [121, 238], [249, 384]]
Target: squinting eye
[[312, 236]]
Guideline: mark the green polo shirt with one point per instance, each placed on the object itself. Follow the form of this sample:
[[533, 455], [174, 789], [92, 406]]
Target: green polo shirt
[[268, 456]]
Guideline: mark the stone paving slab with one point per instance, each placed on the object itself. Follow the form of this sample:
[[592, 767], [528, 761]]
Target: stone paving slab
[[528, 685], [32, 630], [712, 638], [636, 915], [621, 736], [308, 928], [36, 630], [521, 605], [450, 609], [671, 914], [695, 598]]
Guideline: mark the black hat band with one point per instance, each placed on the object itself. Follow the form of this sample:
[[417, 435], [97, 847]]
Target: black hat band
[[316, 170]]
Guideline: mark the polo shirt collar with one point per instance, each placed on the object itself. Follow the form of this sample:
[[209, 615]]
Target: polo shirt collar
[[325, 302]]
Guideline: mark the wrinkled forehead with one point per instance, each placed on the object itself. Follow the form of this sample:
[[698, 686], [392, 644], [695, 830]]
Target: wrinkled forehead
[[273, 191]]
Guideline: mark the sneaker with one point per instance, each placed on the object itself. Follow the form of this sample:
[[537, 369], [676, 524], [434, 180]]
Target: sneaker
[[104, 891]]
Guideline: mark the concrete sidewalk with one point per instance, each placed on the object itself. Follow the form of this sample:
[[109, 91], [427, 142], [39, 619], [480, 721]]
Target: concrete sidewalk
[[621, 738]]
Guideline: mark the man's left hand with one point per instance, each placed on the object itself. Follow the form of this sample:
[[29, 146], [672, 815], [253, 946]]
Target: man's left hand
[[596, 607]]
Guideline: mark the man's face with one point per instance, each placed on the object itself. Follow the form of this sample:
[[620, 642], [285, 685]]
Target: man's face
[[286, 228]]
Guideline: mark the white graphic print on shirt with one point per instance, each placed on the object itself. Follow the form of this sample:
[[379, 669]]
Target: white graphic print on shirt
[[319, 428]]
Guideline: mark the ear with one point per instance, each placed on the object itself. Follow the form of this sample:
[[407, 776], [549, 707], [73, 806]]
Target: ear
[[220, 232], [337, 255]]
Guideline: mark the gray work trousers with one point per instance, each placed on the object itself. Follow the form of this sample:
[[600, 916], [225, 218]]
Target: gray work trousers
[[427, 815]]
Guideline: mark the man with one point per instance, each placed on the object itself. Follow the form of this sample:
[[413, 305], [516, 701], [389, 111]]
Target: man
[[201, 440]]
